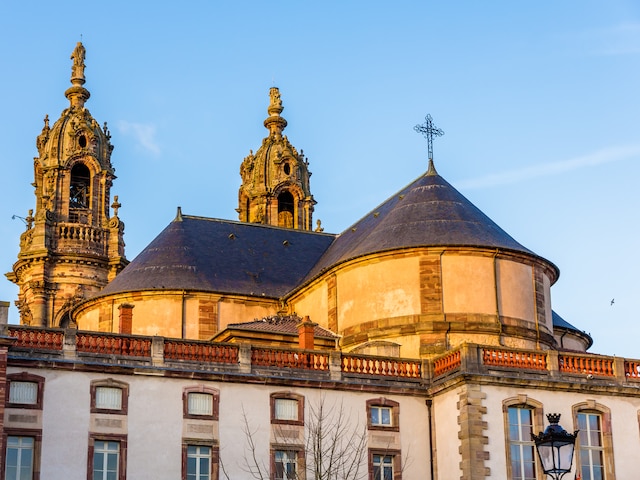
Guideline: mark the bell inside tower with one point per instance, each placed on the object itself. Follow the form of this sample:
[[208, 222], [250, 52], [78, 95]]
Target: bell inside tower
[[285, 210], [79, 189]]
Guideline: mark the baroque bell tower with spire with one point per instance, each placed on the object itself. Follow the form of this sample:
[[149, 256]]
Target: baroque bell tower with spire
[[72, 246], [275, 180]]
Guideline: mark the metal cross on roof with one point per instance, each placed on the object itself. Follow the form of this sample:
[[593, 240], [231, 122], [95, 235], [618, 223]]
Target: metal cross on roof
[[429, 130]]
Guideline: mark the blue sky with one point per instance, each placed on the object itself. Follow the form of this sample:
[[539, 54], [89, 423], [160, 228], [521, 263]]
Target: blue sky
[[538, 100]]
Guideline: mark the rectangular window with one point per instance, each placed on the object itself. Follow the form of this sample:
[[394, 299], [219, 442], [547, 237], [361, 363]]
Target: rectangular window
[[109, 398], [200, 404], [522, 448], [25, 393], [19, 459], [198, 462], [380, 416], [382, 467], [106, 460], [286, 462], [286, 409], [591, 446]]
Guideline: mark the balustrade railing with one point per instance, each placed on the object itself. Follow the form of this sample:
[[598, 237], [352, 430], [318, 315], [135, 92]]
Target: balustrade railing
[[200, 351], [514, 359], [586, 365], [37, 338], [470, 358], [127, 346], [447, 363], [304, 359], [392, 367]]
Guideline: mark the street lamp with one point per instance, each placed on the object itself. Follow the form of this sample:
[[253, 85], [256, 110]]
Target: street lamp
[[555, 448]]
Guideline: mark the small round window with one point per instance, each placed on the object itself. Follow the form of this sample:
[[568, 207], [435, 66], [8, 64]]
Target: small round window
[[287, 169], [82, 141]]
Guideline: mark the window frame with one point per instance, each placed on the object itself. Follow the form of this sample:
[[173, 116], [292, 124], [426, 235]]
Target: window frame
[[122, 452], [286, 396], [395, 414], [592, 407], [537, 422], [37, 448], [29, 378], [300, 459], [214, 459], [215, 408], [110, 383], [396, 462]]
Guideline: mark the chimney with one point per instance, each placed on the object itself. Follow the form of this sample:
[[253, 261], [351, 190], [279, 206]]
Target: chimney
[[305, 334], [126, 318]]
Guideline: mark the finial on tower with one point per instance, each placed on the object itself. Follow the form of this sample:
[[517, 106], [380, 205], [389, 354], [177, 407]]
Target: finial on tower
[[275, 123], [77, 94], [428, 131]]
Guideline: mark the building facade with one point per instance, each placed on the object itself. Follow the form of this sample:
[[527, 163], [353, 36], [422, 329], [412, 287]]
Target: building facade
[[421, 342]]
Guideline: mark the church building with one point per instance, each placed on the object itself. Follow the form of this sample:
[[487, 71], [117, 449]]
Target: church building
[[419, 343]]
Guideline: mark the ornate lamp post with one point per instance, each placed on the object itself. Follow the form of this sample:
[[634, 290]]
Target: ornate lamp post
[[555, 448]]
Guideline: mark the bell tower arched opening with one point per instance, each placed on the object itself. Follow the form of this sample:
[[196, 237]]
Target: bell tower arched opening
[[80, 186], [286, 210]]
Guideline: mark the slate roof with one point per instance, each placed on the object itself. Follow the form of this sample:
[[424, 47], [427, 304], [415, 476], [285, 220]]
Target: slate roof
[[559, 322], [427, 212], [195, 253], [286, 325], [204, 254]]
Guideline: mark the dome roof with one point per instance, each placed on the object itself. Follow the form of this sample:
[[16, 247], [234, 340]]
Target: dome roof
[[211, 255], [429, 212]]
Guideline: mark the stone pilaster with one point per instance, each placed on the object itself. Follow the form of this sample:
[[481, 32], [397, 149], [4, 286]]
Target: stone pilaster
[[472, 433]]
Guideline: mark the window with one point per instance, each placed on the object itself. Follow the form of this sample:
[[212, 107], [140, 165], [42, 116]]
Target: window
[[109, 396], [105, 460], [591, 446], [521, 447], [107, 457], [24, 391], [594, 447], [287, 408], [286, 464], [79, 186], [200, 402], [522, 416], [198, 462], [19, 464], [383, 414], [385, 465]]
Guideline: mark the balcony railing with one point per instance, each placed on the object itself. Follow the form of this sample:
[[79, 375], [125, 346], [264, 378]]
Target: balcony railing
[[32, 342]]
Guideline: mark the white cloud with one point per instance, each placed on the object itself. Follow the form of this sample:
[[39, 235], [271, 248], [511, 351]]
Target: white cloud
[[600, 157], [143, 134]]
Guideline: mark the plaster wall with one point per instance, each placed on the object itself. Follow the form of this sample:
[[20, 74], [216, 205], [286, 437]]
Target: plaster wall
[[624, 423], [468, 284], [314, 302], [515, 290], [238, 311], [154, 423], [445, 412], [384, 288]]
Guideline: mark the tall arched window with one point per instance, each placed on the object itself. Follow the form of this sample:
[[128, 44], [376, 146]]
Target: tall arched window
[[285, 210], [80, 186]]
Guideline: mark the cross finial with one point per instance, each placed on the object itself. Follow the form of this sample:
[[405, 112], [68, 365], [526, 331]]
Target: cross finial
[[428, 131]]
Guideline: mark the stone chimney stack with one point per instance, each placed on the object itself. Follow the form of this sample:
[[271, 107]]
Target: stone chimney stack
[[306, 334]]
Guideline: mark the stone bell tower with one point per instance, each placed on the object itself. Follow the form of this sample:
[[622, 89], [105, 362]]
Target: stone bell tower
[[275, 180], [72, 247]]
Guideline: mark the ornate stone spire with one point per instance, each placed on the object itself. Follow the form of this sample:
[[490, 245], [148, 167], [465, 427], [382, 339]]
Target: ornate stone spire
[[275, 180], [72, 246], [77, 94], [274, 122]]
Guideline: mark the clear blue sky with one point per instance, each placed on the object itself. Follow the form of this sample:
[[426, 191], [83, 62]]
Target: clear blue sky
[[539, 102]]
